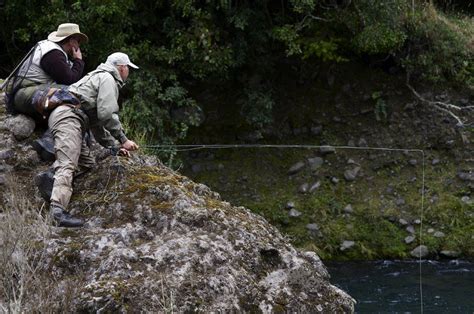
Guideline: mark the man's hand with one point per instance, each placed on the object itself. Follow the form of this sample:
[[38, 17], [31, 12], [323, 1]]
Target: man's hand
[[123, 152], [76, 53], [130, 145]]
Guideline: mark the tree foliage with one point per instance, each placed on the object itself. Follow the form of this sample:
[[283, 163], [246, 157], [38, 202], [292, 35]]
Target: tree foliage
[[183, 42]]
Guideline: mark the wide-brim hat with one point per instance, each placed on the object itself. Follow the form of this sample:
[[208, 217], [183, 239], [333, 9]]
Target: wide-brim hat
[[65, 30]]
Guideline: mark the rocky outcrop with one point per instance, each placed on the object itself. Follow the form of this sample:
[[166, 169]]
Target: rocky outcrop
[[156, 241], [161, 236]]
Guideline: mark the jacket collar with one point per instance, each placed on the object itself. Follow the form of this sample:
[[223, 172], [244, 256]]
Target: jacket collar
[[112, 70]]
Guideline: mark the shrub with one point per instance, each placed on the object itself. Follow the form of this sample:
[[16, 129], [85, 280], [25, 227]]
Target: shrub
[[438, 50], [257, 108]]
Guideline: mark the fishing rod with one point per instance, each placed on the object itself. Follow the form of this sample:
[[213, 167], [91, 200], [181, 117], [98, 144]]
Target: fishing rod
[[13, 73], [185, 147]]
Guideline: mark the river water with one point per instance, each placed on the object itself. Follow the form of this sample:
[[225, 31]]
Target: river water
[[394, 286]]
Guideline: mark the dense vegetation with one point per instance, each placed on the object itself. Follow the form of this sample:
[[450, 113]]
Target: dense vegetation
[[180, 44]]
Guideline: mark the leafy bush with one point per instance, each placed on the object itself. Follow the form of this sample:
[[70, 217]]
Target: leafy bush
[[438, 50], [377, 27], [156, 112], [180, 44], [257, 108]]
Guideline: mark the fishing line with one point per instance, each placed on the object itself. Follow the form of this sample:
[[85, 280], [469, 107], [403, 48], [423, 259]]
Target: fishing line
[[191, 147]]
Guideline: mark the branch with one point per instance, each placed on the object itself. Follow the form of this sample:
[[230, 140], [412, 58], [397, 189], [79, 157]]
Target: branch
[[311, 16], [442, 106]]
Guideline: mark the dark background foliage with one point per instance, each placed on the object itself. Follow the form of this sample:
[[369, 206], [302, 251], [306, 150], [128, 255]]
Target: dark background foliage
[[184, 44]]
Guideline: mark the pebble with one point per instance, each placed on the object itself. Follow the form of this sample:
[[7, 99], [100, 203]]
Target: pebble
[[351, 162], [410, 229], [348, 209], [314, 187], [312, 227], [351, 174], [399, 201], [466, 200], [303, 188], [290, 205], [21, 126], [315, 163], [327, 150], [334, 180], [466, 176], [435, 162], [409, 239], [450, 254], [346, 245], [420, 251], [362, 143], [313, 230], [413, 162], [296, 168], [294, 213], [438, 234], [403, 222]]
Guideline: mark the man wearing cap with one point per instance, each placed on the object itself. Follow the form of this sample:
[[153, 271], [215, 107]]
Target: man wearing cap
[[55, 61], [98, 93]]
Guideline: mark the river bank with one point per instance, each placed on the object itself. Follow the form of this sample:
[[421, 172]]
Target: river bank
[[348, 201]]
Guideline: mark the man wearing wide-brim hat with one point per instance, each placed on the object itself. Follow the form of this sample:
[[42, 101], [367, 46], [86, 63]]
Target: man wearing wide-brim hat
[[54, 62]]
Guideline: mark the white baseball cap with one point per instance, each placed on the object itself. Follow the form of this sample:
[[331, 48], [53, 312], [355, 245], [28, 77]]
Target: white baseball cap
[[120, 58]]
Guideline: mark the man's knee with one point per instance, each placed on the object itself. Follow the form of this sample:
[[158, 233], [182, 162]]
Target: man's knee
[[22, 100], [63, 179]]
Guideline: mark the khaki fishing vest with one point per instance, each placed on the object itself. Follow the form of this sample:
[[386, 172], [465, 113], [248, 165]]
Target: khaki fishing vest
[[31, 68]]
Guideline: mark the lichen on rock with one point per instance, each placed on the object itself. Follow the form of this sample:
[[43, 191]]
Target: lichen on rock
[[195, 252]]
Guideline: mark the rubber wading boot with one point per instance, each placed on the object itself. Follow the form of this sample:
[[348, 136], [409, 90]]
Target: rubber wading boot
[[62, 218], [45, 181], [44, 146]]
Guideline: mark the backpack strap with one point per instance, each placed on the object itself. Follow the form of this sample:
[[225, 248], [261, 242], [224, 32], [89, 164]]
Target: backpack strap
[[13, 82]]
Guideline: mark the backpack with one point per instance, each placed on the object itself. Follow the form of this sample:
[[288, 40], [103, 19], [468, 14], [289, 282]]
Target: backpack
[[13, 82]]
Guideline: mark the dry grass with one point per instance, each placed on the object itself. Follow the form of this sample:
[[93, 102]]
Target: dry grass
[[24, 233]]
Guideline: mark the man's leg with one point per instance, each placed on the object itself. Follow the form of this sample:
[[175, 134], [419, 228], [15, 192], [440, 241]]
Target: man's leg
[[22, 100], [66, 128], [45, 179], [44, 146], [86, 160]]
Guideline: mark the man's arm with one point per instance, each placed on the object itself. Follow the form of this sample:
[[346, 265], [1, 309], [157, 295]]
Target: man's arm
[[108, 108], [54, 63]]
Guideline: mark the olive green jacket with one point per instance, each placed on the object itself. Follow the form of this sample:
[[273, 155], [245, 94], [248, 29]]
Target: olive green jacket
[[98, 92]]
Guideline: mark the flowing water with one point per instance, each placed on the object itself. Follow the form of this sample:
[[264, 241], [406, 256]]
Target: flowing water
[[394, 286]]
